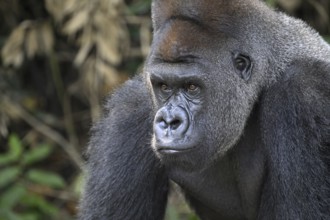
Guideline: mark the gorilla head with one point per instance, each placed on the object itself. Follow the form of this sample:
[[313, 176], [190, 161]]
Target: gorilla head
[[235, 98], [205, 79]]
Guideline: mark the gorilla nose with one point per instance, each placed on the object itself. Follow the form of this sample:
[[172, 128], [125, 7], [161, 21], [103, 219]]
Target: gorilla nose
[[171, 122]]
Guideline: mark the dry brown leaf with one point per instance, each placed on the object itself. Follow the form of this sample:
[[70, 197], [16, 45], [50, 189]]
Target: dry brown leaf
[[108, 50], [31, 42], [98, 26], [13, 52], [15, 58], [108, 74], [39, 39], [47, 37], [82, 54], [86, 41], [70, 6], [145, 39], [78, 21], [55, 8]]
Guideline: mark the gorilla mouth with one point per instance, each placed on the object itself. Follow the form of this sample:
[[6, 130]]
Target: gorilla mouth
[[173, 148]]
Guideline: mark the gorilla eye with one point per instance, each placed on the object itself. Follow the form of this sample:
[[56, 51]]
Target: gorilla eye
[[192, 89], [243, 65], [164, 87]]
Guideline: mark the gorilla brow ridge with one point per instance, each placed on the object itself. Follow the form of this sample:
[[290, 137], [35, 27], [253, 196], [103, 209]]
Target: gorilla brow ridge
[[189, 19], [224, 27]]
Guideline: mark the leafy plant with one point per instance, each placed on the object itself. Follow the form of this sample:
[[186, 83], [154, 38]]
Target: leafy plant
[[17, 179]]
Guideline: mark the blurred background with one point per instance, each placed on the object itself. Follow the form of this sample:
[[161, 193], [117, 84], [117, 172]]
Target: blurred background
[[59, 59]]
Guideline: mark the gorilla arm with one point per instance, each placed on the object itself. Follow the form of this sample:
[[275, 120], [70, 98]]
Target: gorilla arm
[[125, 180], [296, 136]]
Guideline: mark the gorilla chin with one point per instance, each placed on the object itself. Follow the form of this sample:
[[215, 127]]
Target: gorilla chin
[[176, 154]]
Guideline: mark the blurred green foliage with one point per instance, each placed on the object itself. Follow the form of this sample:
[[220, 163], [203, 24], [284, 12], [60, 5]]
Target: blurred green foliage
[[175, 213], [18, 178], [140, 7]]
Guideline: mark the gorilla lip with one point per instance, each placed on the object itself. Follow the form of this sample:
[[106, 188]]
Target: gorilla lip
[[163, 149], [167, 150]]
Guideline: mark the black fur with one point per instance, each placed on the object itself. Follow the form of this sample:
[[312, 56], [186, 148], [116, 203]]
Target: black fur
[[262, 122], [125, 180], [296, 135]]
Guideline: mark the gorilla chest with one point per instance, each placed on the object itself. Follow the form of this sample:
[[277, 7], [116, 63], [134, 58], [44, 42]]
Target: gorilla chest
[[224, 190]]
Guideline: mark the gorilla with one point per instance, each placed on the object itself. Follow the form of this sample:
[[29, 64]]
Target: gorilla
[[233, 105]]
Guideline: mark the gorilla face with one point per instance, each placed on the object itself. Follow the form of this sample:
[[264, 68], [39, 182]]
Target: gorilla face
[[203, 86]]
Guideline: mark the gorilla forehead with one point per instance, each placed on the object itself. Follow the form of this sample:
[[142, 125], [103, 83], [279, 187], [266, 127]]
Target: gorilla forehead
[[181, 39], [197, 25], [220, 15]]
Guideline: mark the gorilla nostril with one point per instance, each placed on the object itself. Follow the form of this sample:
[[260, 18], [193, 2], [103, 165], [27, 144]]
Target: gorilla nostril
[[163, 124], [175, 124]]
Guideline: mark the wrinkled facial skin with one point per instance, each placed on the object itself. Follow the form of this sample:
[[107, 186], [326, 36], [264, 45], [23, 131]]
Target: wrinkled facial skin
[[204, 85]]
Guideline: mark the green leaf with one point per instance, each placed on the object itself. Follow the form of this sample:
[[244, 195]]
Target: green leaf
[[193, 217], [171, 213], [14, 152], [5, 159], [12, 196], [78, 184], [30, 216], [36, 154], [16, 146], [8, 175], [35, 201], [45, 178], [8, 215]]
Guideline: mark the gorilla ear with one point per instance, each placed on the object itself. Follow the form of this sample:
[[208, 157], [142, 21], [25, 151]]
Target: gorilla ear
[[243, 65]]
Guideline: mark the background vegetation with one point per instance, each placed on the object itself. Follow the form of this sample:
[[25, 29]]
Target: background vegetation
[[59, 58]]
